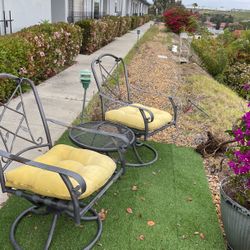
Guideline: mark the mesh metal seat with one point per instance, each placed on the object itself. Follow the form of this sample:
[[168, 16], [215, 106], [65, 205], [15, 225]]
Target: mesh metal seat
[[59, 180], [111, 77]]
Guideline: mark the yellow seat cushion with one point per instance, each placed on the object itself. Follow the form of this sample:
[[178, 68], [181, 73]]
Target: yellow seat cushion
[[95, 169], [131, 117]]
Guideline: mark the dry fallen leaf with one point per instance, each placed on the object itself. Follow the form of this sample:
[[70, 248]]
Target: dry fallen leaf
[[151, 223], [103, 214], [141, 237], [189, 199], [202, 236], [129, 210], [134, 188], [142, 199]]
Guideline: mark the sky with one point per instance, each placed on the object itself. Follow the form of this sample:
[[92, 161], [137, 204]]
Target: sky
[[227, 4]]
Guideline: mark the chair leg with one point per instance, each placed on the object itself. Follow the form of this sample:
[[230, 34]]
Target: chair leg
[[97, 236], [94, 217], [141, 162], [15, 224], [52, 230], [18, 220]]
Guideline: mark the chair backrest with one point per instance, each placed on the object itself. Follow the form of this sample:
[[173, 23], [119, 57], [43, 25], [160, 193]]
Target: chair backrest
[[111, 78], [19, 126]]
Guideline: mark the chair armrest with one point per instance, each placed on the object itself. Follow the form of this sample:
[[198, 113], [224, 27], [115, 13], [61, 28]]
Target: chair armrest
[[174, 107], [8, 76], [156, 93], [93, 131], [62, 172], [142, 109]]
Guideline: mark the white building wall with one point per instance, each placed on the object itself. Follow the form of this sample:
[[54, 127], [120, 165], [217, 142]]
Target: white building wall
[[128, 7], [78, 5], [26, 12], [125, 7], [88, 6], [111, 7], [30, 12], [105, 7], [135, 7], [59, 11]]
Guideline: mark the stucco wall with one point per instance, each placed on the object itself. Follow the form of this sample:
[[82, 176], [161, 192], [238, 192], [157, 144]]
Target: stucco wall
[[59, 11], [27, 12]]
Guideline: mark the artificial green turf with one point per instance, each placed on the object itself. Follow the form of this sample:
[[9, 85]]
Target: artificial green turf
[[173, 193]]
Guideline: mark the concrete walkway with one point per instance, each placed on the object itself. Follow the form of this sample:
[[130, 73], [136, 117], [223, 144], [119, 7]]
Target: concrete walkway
[[62, 94]]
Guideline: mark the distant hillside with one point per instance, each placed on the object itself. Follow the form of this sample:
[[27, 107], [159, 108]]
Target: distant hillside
[[239, 15]]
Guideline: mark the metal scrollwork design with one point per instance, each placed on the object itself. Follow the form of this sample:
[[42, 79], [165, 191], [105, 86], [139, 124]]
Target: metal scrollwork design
[[9, 134]]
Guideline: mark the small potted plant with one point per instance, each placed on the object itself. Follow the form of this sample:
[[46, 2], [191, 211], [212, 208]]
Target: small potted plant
[[235, 190]]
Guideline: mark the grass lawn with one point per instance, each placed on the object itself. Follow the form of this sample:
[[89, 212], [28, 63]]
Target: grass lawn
[[173, 193], [213, 97]]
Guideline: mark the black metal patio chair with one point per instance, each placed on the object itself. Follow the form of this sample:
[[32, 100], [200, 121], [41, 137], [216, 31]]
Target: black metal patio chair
[[59, 180], [114, 90]]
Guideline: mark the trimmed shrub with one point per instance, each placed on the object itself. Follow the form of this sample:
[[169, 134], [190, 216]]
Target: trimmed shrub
[[14, 59], [135, 22], [98, 33], [54, 46], [124, 24], [38, 52]]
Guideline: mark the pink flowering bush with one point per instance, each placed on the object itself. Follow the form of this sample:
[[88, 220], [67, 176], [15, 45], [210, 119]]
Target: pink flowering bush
[[239, 157], [54, 47], [38, 52]]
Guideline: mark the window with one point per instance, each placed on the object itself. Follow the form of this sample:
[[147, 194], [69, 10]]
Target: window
[[97, 9], [116, 6]]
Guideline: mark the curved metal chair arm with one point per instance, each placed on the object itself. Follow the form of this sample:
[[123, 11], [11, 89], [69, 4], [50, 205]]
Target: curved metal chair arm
[[174, 107], [8, 76], [156, 93], [62, 172], [142, 109], [93, 131]]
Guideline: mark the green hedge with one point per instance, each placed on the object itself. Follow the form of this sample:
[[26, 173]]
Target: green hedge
[[13, 58], [38, 52], [41, 51], [226, 57], [98, 33], [213, 55]]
